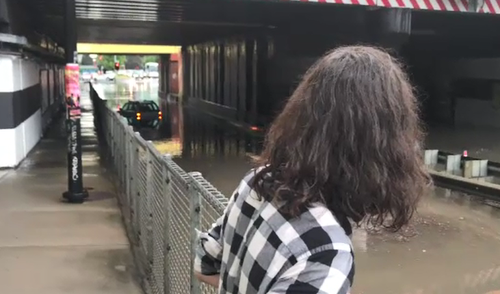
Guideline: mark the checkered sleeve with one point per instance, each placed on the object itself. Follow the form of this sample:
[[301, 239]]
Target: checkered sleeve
[[209, 249], [325, 272]]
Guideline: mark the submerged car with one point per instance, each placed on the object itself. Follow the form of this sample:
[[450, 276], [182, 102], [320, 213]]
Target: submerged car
[[110, 76], [138, 74], [142, 113], [86, 76]]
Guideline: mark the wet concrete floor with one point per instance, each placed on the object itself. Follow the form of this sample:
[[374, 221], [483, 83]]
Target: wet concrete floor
[[452, 245], [51, 247]]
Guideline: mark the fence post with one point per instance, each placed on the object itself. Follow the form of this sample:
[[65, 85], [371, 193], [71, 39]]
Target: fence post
[[111, 139], [115, 141], [119, 158], [167, 192], [195, 208], [149, 219], [108, 133], [126, 158], [135, 190], [129, 174]]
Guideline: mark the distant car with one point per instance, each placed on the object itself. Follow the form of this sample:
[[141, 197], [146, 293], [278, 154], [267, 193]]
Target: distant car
[[141, 113], [86, 76], [153, 74], [138, 74], [98, 77], [110, 76]]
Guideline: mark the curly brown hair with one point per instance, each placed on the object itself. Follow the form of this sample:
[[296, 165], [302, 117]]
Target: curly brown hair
[[349, 137]]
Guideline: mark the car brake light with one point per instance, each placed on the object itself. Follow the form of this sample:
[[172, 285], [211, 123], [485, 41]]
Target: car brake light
[[254, 128]]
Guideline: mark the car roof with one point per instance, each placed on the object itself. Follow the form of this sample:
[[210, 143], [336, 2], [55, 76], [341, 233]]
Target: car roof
[[141, 102]]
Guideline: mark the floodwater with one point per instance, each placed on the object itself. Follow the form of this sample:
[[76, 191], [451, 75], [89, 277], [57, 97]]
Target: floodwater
[[452, 246], [478, 142]]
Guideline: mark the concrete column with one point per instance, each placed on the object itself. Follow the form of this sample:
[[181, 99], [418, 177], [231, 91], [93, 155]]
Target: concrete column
[[241, 84], [474, 5], [389, 28], [20, 114], [164, 77], [443, 103], [254, 83], [4, 17], [185, 61], [70, 31]]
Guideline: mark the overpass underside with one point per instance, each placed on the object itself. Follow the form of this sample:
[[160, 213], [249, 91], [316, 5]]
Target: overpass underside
[[241, 59]]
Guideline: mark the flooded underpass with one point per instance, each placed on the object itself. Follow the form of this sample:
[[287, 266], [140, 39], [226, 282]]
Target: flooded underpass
[[451, 246]]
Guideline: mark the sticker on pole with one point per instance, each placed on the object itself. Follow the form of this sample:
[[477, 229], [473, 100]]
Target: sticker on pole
[[72, 81]]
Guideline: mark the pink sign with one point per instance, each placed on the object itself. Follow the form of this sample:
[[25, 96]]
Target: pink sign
[[72, 81]]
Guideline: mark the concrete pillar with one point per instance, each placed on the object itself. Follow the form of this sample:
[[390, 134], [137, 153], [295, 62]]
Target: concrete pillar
[[254, 83], [184, 71], [241, 83], [4, 17], [70, 31], [21, 93], [389, 28], [443, 104], [20, 114], [474, 5], [164, 75]]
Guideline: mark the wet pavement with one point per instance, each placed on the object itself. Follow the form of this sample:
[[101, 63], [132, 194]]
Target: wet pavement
[[452, 245], [51, 247]]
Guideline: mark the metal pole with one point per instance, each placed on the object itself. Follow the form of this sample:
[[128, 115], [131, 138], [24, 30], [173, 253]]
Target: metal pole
[[75, 193], [195, 209]]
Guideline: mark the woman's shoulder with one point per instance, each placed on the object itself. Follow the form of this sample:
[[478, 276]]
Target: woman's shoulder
[[317, 229], [245, 187]]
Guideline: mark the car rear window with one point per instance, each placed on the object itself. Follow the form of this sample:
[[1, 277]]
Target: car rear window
[[149, 107], [128, 106]]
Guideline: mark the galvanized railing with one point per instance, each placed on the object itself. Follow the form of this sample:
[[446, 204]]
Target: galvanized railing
[[162, 205]]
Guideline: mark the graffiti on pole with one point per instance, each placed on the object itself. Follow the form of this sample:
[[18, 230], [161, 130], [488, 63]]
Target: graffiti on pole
[[73, 114]]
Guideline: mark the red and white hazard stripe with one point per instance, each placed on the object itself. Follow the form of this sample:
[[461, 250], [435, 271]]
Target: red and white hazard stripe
[[439, 5], [352, 2], [488, 6]]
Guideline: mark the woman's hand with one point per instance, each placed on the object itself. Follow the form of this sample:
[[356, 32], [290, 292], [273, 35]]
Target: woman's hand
[[211, 280]]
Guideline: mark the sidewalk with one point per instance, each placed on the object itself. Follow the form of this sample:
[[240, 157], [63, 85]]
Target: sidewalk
[[50, 247]]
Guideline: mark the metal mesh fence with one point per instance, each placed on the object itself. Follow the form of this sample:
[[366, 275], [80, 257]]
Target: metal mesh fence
[[163, 207], [212, 204]]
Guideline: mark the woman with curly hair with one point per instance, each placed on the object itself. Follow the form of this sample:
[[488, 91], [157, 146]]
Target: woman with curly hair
[[342, 151]]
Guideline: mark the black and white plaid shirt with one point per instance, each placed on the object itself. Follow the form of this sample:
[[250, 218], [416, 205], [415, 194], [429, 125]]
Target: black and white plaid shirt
[[256, 250]]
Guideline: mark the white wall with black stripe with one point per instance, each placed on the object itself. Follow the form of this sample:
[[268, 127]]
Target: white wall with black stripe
[[27, 104]]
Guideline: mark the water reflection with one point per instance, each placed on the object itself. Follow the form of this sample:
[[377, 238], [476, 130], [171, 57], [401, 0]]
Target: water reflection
[[216, 149], [169, 138], [451, 246], [119, 92]]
